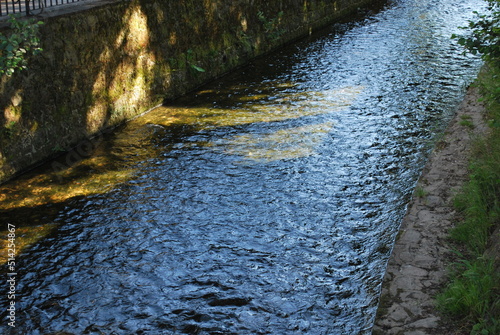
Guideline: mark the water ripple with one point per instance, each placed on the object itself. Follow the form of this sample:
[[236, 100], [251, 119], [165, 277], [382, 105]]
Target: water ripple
[[265, 203]]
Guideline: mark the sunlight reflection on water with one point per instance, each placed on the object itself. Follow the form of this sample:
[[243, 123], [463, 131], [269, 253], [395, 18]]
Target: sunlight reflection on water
[[265, 203]]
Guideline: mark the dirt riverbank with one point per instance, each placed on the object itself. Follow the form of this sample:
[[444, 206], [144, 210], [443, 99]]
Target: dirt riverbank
[[417, 269]]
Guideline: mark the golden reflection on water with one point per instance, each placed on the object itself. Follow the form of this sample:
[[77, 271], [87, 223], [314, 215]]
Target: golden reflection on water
[[24, 237], [33, 192], [101, 172], [283, 144], [88, 176], [255, 108]]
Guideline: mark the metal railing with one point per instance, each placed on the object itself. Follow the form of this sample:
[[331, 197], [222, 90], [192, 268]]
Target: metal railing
[[29, 7]]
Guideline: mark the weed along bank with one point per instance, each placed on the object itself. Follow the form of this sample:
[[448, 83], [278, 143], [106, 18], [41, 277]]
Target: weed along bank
[[103, 62]]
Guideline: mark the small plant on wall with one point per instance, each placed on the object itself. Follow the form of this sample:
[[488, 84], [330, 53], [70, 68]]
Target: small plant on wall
[[271, 26], [22, 41]]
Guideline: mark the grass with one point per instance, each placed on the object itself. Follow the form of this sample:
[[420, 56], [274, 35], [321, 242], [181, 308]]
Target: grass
[[473, 294], [467, 121], [420, 192]]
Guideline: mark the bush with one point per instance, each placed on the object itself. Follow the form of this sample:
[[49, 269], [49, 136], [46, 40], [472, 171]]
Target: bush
[[485, 34], [21, 42]]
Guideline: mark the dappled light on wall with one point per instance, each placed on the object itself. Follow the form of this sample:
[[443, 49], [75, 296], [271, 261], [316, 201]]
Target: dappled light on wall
[[127, 85]]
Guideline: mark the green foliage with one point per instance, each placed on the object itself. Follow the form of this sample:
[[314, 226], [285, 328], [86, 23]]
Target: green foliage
[[474, 291], [479, 200], [490, 89], [197, 68], [190, 56], [473, 294], [473, 231], [9, 129], [271, 26], [466, 121], [244, 39], [485, 33], [20, 43], [420, 192]]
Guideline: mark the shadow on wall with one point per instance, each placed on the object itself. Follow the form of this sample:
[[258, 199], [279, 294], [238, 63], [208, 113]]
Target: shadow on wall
[[108, 64]]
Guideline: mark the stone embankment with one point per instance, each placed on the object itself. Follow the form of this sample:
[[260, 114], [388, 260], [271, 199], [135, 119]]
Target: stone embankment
[[417, 269]]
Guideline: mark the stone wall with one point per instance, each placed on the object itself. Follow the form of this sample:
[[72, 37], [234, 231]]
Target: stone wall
[[114, 60]]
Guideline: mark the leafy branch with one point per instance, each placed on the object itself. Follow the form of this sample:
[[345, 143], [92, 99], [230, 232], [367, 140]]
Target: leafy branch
[[485, 34], [21, 42]]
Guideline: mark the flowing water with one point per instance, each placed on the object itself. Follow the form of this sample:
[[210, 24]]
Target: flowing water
[[265, 203]]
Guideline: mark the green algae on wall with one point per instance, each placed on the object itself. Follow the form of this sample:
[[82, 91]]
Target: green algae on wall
[[112, 62]]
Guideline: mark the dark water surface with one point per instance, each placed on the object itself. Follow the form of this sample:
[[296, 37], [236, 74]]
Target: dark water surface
[[265, 203]]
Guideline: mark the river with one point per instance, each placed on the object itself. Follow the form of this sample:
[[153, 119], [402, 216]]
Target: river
[[264, 203]]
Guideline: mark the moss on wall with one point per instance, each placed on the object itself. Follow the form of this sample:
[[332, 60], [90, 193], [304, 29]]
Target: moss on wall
[[107, 64]]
